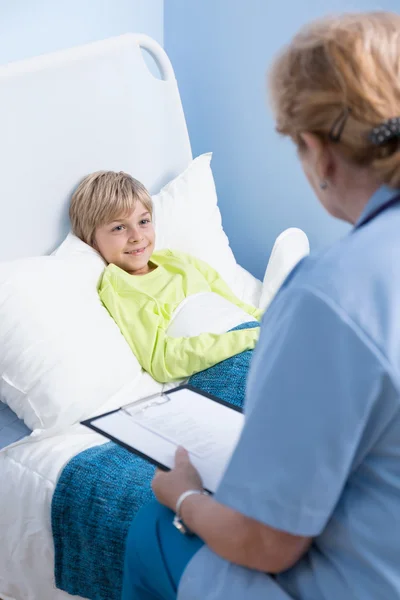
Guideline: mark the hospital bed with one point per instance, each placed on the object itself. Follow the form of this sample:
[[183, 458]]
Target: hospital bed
[[111, 105]]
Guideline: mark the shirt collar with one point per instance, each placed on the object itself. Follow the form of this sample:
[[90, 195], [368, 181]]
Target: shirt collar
[[377, 201]]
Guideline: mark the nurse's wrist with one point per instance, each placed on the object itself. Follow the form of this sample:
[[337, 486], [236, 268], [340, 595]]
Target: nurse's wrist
[[191, 508]]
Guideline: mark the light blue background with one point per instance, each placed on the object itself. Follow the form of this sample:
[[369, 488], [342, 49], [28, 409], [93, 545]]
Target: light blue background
[[220, 50], [31, 27]]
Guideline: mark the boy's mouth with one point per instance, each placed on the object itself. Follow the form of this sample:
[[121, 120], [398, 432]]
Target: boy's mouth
[[136, 252]]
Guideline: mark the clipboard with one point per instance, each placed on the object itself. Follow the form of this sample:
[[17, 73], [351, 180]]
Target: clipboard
[[153, 427]]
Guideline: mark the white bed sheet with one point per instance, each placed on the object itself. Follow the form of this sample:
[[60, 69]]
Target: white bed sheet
[[29, 473]]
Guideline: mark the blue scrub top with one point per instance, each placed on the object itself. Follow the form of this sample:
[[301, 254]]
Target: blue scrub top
[[320, 451]]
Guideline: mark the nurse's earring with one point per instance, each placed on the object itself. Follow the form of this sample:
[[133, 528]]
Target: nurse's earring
[[323, 184]]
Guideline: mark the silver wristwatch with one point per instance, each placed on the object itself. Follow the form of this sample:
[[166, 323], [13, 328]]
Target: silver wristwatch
[[177, 522]]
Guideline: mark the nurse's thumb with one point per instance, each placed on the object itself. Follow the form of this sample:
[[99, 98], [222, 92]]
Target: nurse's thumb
[[181, 456]]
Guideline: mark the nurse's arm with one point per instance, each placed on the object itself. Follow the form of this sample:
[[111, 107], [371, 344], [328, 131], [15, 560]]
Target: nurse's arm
[[241, 540], [230, 534]]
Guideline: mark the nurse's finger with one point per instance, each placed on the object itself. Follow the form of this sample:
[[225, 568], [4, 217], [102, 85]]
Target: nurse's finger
[[181, 457]]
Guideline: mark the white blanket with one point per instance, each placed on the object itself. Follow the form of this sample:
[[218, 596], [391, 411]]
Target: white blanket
[[29, 471], [206, 312]]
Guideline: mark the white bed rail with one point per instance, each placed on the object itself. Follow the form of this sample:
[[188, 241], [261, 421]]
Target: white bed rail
[[72, 112]]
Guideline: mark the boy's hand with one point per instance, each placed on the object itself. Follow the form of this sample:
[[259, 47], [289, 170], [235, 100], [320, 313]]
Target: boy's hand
[[168, 486]]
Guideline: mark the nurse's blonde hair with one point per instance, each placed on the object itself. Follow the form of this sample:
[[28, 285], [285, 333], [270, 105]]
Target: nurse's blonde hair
[[103, 197], [342, 75]]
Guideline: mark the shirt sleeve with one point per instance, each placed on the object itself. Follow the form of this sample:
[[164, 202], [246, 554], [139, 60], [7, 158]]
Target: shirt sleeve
[[218, 285], [166, 358], [314, 382]]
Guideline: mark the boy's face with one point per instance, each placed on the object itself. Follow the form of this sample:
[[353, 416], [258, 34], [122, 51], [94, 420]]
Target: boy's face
[[128, 242]]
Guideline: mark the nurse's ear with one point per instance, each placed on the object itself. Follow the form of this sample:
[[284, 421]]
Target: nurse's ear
[[317, 155]]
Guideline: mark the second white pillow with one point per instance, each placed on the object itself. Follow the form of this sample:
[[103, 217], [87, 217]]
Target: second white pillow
[[62, 356]]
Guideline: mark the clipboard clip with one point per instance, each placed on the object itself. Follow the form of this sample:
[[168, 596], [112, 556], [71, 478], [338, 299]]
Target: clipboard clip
[[141, 406]]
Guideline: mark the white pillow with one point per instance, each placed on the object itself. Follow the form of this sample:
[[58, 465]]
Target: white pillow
[[73, 248], [62, 356], [290, 247], [186, 217]]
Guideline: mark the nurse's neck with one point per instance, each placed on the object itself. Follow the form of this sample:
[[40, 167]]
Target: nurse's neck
[[350, 191]]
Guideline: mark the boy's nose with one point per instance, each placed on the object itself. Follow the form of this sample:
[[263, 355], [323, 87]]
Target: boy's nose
[[135, 237]]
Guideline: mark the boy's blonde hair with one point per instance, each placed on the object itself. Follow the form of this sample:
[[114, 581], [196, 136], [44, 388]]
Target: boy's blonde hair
[[103, 197], [343, 71]]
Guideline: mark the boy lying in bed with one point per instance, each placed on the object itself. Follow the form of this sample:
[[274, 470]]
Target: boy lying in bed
[[144, 290]]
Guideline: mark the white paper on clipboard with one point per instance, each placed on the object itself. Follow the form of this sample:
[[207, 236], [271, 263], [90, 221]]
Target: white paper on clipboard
[[184, 417]]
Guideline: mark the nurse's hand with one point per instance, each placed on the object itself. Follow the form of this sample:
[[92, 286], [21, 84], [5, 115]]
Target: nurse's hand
[[168, 486]]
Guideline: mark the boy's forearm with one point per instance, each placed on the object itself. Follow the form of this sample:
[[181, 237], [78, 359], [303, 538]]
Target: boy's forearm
[[176, 358]]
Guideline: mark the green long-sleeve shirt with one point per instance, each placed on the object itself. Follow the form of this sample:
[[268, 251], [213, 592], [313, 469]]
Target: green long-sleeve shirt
[[142, 306]]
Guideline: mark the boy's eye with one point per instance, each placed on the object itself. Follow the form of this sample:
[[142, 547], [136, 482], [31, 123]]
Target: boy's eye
[[118, 228], [145, 221]]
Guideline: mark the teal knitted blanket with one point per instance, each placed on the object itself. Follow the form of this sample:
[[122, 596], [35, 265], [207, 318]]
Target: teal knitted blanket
[[100, 491]]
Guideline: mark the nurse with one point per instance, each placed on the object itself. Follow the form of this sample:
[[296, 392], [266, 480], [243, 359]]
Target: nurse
[[309, 507]]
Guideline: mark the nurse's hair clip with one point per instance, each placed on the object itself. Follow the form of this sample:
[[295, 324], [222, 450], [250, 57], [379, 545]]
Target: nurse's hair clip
[[385, 132], [337, 128]]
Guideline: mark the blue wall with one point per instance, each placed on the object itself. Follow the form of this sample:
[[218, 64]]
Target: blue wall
[[220, 50], [31, 27]]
